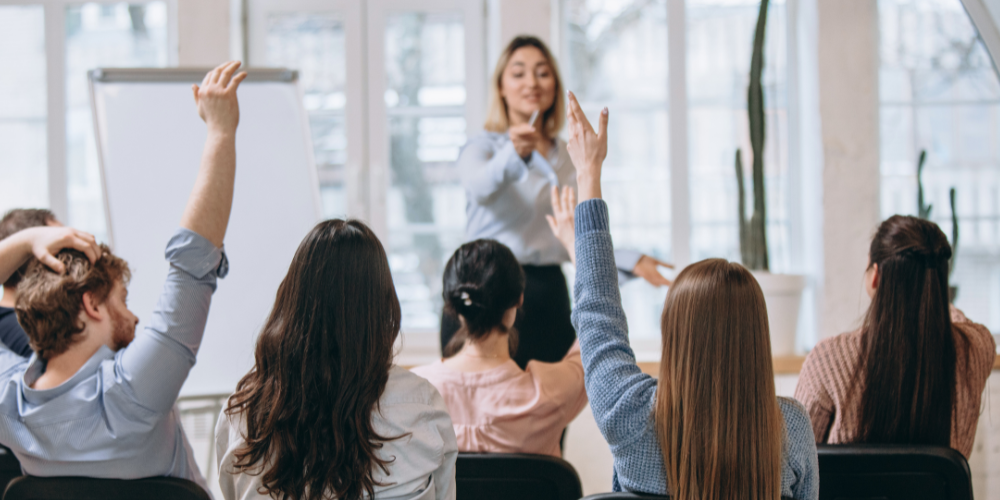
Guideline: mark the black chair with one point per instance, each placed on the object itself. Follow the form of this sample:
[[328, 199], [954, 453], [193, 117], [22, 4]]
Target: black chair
[[623, 496], [626, 496], [891, 472], [10, 468], [502, 476], [85, 488]]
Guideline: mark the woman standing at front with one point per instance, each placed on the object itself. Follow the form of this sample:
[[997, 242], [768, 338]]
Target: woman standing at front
[[509, 172]]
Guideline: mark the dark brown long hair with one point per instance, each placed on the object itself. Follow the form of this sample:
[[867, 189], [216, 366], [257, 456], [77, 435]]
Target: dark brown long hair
[[322, 362], [717, 416], [906, 374]]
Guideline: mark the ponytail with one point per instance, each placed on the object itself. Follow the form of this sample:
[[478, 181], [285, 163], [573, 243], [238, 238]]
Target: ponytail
[[906, 376]]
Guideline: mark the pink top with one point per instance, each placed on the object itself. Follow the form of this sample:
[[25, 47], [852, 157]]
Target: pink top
[[509, 410]]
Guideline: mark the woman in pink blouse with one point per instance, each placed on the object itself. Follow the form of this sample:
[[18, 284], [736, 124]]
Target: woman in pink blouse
[[494, 404]]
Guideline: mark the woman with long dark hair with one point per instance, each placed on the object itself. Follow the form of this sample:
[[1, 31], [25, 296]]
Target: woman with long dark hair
[[915, 371], [324, 413], [509, 173], [711, 427], [495, 405]]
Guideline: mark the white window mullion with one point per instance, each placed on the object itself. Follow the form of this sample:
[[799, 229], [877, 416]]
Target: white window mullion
[[678, 119], [55, 75]]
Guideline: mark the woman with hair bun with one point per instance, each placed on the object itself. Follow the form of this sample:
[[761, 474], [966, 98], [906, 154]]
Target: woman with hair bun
[[494, 404], [915, 371]]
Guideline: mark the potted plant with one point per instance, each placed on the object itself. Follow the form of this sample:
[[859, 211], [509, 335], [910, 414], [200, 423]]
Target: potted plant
[[924, 212], [782, 292]]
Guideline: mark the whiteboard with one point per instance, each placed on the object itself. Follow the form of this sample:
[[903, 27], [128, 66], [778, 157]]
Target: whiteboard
[[150, 142]]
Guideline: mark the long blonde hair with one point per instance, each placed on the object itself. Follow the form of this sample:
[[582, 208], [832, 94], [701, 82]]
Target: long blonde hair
[[496, 117], [717, 416]]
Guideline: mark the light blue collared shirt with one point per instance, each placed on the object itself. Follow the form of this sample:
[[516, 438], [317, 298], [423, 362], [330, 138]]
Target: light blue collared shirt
[[115, 418], [508, 198]]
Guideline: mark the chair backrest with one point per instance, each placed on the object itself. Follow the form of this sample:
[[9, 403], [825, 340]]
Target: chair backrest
[[629, 496], [10, 467], [891, 472], [495, 476], [85, 488]]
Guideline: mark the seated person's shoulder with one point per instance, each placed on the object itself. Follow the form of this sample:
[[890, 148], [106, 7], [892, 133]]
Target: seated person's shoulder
[[797, 422], [406, 387]]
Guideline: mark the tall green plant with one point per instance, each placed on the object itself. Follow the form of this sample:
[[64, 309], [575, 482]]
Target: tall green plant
[[924, 212], [753, 234]]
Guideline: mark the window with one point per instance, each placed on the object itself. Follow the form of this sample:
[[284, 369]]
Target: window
[[940, 93], [617, 53], [102, 35], [314, 45], [24, 163], [425, 106], [720, 44], [614, 54]]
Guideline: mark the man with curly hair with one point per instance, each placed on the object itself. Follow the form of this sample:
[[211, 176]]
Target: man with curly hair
[[95, 399], [11, 333]]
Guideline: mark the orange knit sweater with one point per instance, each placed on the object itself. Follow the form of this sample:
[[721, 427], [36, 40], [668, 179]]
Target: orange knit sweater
[[827, 372]]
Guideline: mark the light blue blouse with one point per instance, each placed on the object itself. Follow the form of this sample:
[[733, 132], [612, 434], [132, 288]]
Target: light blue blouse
[[508, 198], [115, 418]]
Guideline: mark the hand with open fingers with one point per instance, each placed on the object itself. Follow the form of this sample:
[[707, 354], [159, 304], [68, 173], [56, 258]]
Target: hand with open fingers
[[47, 241], [524, 137], [562, 221], [216, 97], [587, 148], [648, 269]]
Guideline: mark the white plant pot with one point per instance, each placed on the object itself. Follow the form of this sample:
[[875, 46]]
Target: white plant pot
[[783, 295]]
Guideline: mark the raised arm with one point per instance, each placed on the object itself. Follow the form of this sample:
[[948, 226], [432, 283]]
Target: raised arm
[[621, 396], [208, 208], [157, 363]]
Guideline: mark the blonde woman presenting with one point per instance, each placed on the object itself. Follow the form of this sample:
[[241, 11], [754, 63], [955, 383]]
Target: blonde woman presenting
[[508, 173]]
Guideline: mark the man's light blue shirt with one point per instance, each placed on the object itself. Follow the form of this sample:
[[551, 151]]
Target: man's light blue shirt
[[115, 418]]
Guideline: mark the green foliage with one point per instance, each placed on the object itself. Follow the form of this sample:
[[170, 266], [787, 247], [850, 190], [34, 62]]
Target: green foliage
[[753, 232]]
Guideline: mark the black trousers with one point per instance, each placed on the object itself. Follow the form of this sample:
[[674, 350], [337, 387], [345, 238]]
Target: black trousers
[[545, 332]]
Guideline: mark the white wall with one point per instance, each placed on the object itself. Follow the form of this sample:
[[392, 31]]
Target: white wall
[[203, 30]]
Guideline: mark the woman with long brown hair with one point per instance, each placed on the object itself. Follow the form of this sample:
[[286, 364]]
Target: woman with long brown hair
[[711, 427], [915, 370], [508, 172], [324, 413]]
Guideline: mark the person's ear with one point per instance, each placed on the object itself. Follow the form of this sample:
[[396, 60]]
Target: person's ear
[[520, 303], [91, 308], [875, 277]]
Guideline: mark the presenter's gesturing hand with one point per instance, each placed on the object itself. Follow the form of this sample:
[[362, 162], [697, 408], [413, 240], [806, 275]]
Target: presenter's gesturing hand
[[524, 137], [587, 149]]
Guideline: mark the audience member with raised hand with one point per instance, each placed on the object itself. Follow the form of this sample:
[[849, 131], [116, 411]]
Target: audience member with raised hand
[[324, 413], [711, 427], [495, 405], [11, 333], [96, 399], [916, 369]]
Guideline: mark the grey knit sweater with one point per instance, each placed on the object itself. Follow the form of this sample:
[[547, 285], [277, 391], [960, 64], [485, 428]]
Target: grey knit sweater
[[622, 397]]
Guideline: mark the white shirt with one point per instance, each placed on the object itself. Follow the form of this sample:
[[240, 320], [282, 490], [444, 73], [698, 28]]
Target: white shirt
[[424, 465]]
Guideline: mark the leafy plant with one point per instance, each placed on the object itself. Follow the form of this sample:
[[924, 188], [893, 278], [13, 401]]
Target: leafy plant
[[753, 232]]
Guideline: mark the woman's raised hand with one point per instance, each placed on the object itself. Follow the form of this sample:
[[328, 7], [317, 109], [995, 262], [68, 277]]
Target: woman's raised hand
[[562, 222], [587, 148]]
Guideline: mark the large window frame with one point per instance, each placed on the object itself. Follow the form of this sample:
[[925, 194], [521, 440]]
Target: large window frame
[[55, 76], [367, 168]]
